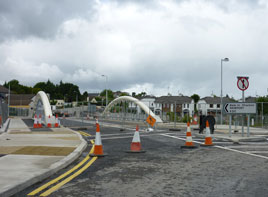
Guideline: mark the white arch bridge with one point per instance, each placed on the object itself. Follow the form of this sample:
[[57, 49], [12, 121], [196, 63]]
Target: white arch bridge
[[144, 107], [41, 106]]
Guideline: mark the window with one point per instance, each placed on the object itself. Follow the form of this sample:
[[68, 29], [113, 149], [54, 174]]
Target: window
[[218, 105], [211, 105], [187, 105], [184, 105]]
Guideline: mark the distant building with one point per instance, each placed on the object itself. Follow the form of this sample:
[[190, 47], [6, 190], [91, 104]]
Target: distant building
[[182, 105], [148, 100], [92, 97], [22, 100], [59, 103], [211, 105]]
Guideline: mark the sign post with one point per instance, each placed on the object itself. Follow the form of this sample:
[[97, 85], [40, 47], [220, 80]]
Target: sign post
[[242, 84], [240, 108]]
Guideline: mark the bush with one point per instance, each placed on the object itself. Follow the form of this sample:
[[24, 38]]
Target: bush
[[186, 118]]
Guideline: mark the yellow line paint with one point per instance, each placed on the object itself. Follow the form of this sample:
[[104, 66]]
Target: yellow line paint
[[58, 178], [36, 191], [56, 187], [84, 133]]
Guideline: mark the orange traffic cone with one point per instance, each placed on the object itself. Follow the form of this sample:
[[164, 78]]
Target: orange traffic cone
[[135, 146], [39, 121], [189, 141], [57, 121], [49, 122], [98, 150], [195, 120], [208, 139], [35, 122]]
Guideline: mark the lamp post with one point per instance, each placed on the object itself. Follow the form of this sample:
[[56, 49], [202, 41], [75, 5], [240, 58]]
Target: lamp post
[[106, 77], [222, 60]]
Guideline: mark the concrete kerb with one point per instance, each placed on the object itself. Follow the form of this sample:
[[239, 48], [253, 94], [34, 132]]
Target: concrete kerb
[[5, 126], [234, 138], [52, 170]]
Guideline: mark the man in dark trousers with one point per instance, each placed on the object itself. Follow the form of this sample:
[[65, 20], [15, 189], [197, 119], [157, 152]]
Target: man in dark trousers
[[202, 123], [211, 121]]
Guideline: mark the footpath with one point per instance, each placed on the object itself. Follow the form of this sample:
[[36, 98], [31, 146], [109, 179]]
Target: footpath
[[29, 155]]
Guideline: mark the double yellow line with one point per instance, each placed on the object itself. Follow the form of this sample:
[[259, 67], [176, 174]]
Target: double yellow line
[[68, 179]]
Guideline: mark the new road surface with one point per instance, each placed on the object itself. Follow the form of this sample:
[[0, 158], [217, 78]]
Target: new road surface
[[226, 169]]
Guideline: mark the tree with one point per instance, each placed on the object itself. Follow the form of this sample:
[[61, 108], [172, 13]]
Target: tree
[[84, 96], [124, 94], [264, 100], [196, 98], [16, 87], [110, 95]]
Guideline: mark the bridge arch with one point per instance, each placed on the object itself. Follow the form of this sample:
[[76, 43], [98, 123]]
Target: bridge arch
[[144, 107], [41, 101]]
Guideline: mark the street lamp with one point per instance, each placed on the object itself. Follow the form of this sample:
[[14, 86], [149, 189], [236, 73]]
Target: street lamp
[[106, 88], [222, 60]]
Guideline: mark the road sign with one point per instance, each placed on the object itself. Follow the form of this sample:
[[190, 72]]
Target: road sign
[[242, 83], [151, 120], [240, 108]]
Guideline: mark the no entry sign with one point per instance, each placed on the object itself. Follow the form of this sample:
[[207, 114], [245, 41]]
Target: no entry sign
[[242, 83]]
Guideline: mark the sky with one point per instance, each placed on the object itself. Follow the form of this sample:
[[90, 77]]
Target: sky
[[153, 46]]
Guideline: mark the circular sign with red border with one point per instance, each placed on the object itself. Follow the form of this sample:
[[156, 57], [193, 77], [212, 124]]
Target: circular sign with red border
[[242, 83]]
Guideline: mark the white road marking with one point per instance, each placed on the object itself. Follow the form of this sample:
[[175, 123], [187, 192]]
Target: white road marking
[[221, 147], [121, 137], [244, 146], [258, 152]]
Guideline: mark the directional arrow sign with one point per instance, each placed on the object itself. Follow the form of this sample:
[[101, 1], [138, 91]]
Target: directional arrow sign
[[240, 108]]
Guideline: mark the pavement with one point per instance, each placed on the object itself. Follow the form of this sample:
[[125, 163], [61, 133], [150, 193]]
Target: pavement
[[29, 155]]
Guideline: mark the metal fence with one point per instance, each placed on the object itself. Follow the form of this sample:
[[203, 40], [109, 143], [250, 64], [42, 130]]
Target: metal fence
[[3, 112], [18, 111], [129, 111]]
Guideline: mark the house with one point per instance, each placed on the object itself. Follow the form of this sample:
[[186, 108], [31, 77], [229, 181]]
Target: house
[[148, 100], [59, 103], [211, 105], [182, 105], [92, 97], [21, 100]]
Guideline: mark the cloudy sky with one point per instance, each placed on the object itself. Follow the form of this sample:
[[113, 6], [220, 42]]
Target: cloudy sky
[[155, 46]]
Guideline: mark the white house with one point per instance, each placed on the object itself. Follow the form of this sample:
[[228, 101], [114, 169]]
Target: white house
[[182, 105], [211, 105]]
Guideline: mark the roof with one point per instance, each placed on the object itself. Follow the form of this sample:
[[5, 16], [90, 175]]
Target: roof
[[251, 99], [173, 99], [146, 97], [216, 100], [3, 89], [21, 99]]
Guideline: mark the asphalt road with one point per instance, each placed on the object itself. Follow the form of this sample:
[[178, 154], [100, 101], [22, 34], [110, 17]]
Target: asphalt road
[[166, 169]]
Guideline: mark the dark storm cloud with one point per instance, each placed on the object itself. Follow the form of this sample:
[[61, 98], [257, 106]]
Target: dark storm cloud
[[21, 19]]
